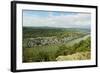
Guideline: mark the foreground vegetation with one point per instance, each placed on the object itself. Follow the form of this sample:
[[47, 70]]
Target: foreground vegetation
[[55, 44], [76, 56]]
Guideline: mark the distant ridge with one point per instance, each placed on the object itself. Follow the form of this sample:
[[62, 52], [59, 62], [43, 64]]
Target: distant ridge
[[59, 29]]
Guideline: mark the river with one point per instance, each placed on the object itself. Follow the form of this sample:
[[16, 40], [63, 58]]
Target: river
[[72, 42]]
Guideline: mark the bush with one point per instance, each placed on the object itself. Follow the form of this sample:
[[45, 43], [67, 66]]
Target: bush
[[63, 50]]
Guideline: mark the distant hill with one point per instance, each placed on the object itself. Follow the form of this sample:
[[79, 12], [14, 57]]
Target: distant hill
[[58, 28]]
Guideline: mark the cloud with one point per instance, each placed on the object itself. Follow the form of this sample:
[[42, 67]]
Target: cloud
[[59, 20]]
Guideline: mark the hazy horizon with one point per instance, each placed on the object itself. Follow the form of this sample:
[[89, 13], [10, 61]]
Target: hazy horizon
[[56, 19], [55, 27]]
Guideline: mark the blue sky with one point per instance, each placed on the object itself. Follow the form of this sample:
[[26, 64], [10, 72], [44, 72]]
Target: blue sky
[[56, 19], [45, 13]]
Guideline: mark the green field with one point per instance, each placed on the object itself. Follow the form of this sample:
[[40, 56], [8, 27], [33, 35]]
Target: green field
[[42, 44]]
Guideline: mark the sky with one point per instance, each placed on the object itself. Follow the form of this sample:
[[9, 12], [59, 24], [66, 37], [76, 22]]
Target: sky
[[32, 18]]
